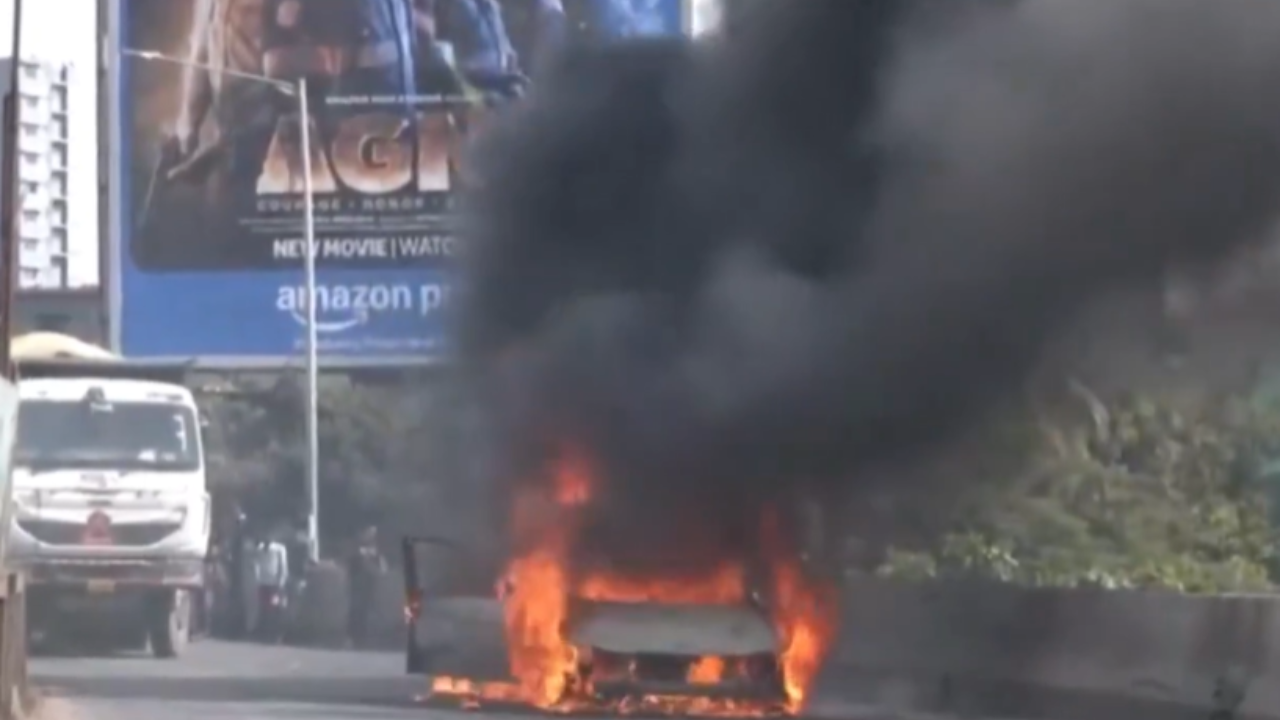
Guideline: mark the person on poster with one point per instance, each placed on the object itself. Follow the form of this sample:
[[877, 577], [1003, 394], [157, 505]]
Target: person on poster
[[600, 20], [466, 42], [612, 19], [228, 126], [654, 17]]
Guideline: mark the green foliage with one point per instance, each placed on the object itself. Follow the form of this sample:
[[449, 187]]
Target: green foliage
[[383, 451], [1140, 495]]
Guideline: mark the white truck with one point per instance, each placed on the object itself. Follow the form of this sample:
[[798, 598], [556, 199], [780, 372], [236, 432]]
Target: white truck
[[111, 512]]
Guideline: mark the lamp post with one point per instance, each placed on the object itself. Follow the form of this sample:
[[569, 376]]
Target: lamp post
[[11, 202], [296, 90]]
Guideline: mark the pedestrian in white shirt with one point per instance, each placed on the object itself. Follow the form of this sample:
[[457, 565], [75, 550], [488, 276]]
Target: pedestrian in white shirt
[[271, 565], [271, 574]]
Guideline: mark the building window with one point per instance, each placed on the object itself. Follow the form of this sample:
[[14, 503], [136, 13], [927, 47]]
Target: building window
[[31, 101], [30, 245], [30, 216], [30, 129], [30, 71], [60, 268], [59, 212], [58, 185], [29, 276], [60, 125], [60, 156], [30, 188], [59, 235], [59, 96], [30, 158]]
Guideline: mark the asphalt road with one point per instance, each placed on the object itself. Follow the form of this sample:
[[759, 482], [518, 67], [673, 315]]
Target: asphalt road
[[243, 681], [232, 681]]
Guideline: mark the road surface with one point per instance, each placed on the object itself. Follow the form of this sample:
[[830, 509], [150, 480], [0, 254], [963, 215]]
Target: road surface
[[232, 681], [243, 681]]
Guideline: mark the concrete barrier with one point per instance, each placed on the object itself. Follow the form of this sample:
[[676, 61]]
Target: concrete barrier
[[1000, 651], [386, 626], [975, 649], [320, 616]]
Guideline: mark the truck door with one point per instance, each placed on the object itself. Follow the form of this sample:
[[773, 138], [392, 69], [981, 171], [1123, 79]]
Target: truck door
[[453, 617]]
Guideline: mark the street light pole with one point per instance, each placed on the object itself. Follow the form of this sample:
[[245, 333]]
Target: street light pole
[[10, 203], [309, 269], [313, 351]]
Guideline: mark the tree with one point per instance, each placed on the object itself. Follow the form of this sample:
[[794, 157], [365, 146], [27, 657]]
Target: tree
[[386, 450], [1141, 494]]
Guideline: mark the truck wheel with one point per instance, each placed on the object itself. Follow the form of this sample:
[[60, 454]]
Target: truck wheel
[[170, 622]]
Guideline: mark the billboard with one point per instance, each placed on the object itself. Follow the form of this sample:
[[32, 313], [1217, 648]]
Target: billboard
[[206, 184]]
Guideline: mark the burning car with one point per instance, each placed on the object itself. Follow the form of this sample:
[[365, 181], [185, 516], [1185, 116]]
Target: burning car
[[743, 638]]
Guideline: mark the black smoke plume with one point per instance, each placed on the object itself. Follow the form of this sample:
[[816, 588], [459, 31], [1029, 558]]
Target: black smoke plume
[[730, 268]]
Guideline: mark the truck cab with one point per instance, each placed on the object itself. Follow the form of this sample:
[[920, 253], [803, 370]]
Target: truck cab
[[111, 511]]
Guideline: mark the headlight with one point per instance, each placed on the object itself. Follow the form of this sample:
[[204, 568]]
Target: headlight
[[25, 497]]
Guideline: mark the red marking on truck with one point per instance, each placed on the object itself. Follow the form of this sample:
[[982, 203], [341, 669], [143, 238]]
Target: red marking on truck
[[97, 529]]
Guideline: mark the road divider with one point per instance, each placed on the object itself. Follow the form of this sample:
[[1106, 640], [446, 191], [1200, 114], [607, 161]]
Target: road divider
[[988, 649]]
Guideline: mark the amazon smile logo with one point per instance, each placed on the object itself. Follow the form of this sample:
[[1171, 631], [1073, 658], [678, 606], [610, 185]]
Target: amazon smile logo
[[343, 307]]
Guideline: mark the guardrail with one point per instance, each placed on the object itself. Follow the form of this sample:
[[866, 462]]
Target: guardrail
[[15, 690]]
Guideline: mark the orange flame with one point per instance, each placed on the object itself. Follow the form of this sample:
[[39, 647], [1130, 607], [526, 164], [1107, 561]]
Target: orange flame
[[804, 615], [536, 602], [708, 670], [725, 586]]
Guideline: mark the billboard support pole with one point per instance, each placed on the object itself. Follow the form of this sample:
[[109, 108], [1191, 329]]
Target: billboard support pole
[[313, 360], [12, 198]]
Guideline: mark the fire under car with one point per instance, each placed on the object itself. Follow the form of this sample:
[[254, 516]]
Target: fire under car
[[746, 638]]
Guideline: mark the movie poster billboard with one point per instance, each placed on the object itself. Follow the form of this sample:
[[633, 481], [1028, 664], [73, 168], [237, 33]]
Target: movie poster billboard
[[208, 249]]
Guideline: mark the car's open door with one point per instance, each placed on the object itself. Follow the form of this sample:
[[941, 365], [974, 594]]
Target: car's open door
[[453, 618]]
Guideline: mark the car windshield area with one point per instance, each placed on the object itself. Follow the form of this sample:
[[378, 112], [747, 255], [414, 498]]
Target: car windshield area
[[125, 435]]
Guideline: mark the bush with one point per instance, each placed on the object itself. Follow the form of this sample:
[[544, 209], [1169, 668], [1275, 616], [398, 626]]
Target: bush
[[1140, 495]]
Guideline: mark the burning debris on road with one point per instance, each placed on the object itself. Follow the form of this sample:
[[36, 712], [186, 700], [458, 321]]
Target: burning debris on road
[[737, 274]]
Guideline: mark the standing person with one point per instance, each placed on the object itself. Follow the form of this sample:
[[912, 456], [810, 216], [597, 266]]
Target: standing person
[[349, 46], [237, 615], [465, 43], [298, 544], [474, 32], [271, 573], [364, 566], [600, 19], [228, 123], [212, 596]]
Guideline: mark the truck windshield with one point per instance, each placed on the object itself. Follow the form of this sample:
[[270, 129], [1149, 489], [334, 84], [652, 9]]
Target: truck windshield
[[131, 435]]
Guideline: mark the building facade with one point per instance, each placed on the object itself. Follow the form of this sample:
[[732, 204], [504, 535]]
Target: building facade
[[57, 177]]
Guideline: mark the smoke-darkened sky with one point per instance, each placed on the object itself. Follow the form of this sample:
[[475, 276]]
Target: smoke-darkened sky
[[839, 235]]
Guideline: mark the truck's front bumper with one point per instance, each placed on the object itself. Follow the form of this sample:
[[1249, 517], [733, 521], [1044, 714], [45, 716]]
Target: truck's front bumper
[[112, 572], [96, 611]]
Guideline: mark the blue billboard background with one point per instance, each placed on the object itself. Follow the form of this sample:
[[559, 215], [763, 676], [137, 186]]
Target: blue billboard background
[[207, 254]]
